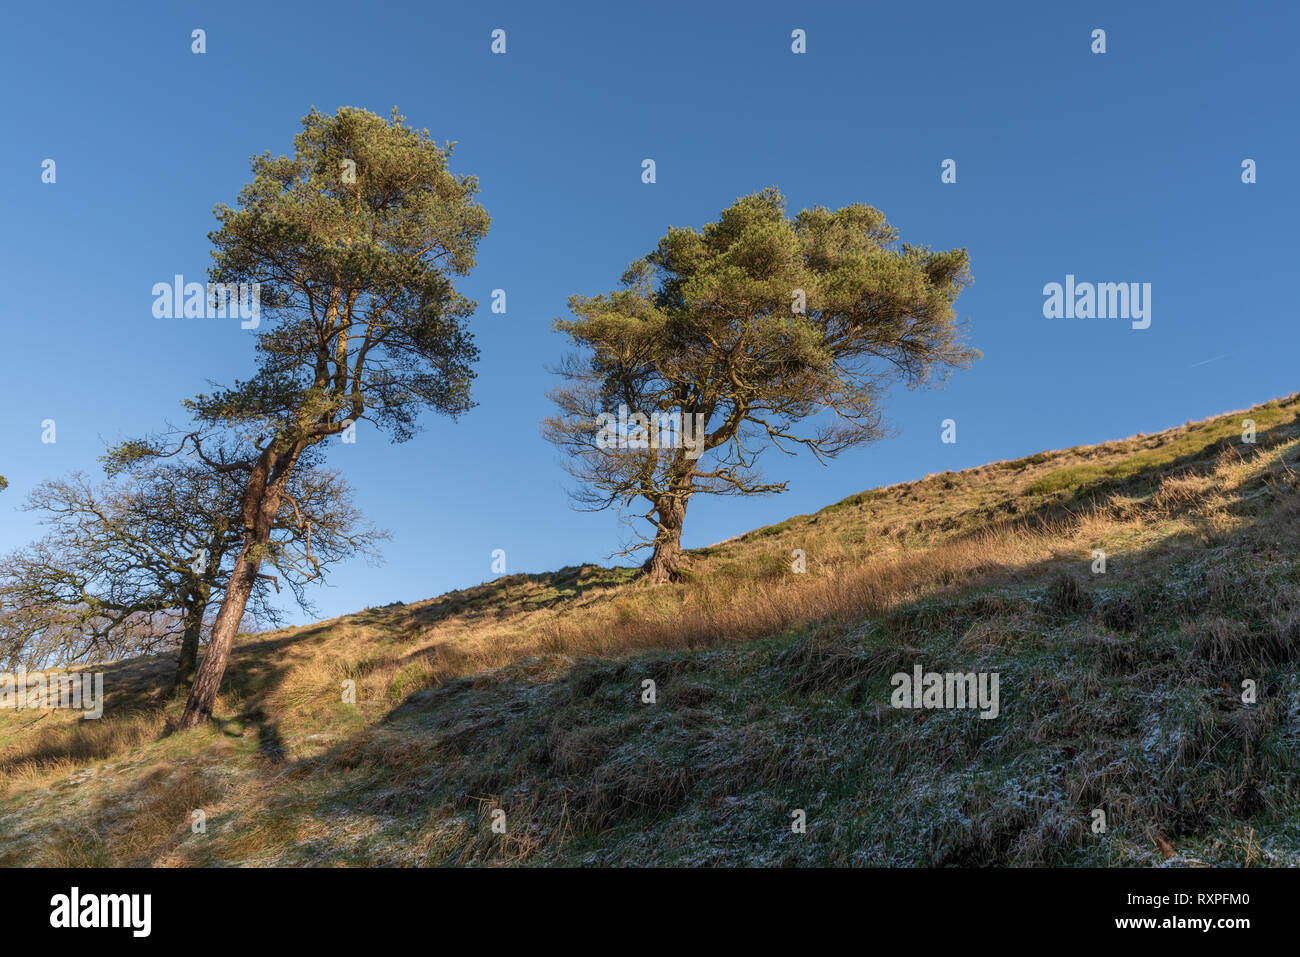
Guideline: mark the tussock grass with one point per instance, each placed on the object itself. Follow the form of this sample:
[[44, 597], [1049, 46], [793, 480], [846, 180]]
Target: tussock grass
[[1120, 691]]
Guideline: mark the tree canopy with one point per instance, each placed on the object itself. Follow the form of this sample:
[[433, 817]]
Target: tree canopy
[[767, 331], [354, 243]]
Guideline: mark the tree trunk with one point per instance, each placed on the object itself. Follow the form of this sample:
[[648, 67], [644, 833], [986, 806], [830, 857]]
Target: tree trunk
[[207, 682], [665, 562], [195, 608], [261, 503]]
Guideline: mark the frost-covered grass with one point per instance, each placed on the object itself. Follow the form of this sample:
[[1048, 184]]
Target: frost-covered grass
[[1119, 692]]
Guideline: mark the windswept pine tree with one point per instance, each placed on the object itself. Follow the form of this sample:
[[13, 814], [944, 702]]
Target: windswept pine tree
[[758, 330], [353, 242]]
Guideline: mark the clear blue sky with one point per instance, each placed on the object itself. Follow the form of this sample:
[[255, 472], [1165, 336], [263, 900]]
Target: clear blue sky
[[1117, 167]]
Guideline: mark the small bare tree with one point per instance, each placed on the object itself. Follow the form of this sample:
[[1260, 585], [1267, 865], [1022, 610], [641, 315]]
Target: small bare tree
[[135, 564]]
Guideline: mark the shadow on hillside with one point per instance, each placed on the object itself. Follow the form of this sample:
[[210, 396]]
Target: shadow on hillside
[[473, 728], [135, 690], [143, 688], [365, 773], [131, 686], [396, 770]]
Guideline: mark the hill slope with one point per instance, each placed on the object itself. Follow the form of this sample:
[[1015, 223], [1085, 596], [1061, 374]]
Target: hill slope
[[1119, 691]]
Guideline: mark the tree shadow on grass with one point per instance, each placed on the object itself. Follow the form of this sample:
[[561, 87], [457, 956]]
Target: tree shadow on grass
[[394, 773]]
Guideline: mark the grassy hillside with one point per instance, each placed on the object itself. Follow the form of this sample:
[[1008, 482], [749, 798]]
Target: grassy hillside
[[1119, 691]]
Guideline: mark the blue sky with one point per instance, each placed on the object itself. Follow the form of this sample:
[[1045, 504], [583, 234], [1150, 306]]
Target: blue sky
[[1118, 167]]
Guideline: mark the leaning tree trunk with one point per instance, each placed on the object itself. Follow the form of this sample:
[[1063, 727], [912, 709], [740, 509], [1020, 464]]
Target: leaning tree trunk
[[207, 682], [265, 490], [665, 562]]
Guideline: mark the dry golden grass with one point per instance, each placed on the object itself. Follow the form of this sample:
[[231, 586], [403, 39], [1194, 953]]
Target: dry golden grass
[[899, 544], [866, 558], [52, 752]]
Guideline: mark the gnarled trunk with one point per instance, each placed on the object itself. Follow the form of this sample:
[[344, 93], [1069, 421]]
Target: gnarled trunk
[[195, 608], [665, 562]]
